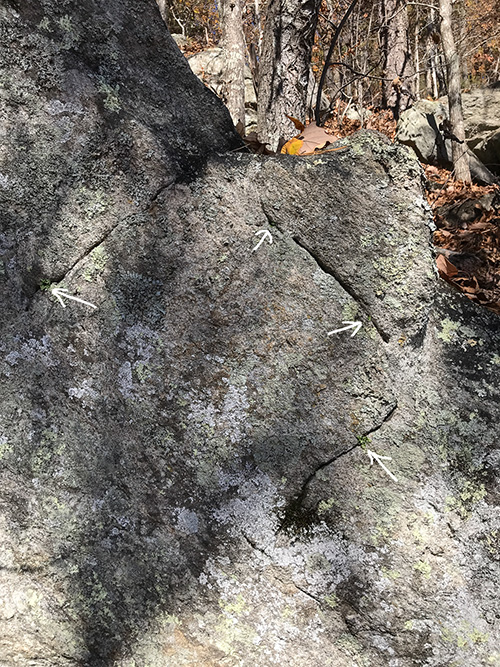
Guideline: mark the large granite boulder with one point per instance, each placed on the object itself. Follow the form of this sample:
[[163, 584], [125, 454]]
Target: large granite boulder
[[418, 128], [185, 448]]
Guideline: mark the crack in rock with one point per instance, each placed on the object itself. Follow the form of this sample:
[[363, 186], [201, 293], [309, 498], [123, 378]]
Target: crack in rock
[[254, 545], [310, 595], [331, 272], [297, 503], [63, 274], [347, 288]]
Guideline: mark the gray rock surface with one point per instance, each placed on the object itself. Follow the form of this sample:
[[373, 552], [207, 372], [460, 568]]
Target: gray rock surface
[[481, 113], [208, 65], [418, 128], [185, 476]]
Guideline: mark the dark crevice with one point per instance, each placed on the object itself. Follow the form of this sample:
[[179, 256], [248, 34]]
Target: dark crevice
[[161, 190], [328, 270], [295, 507], [57, 278], [62, 275], [310, 595], [254, 545], [347, 288]]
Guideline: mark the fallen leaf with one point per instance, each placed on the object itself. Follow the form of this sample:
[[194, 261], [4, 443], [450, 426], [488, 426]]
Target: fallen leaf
[[300, 126], [315, 138], [312, 139], [293, 147], [446, 269]]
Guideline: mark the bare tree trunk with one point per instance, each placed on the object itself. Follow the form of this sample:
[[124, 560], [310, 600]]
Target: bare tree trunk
[[459, 148], [435, 84], [162, 6], [284, 66], [234, 48], [416, 55], [258, 24], [397, 54]]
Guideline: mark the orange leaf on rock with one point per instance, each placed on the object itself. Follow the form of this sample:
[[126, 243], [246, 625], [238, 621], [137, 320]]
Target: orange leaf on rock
[[293, 147], [315, 138], [311, 138]]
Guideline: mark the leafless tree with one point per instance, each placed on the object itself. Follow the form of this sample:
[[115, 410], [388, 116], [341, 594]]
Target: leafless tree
[[398, 62], [460, 156], [284, 67], [234, 48]]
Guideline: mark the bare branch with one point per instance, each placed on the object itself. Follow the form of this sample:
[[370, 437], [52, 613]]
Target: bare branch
[[328, 58]]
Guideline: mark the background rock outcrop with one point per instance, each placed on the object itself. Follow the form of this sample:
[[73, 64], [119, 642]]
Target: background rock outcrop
[[185, 469], [418, 128], [208, 65]]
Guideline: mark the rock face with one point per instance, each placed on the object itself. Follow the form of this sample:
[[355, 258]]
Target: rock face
[[185, 468], [208, 65], [418, 127]]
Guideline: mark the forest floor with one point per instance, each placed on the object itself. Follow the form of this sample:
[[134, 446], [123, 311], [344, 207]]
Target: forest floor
[[467, 217]]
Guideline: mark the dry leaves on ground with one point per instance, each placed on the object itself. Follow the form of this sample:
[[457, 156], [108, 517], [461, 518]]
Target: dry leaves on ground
[[468, 236]]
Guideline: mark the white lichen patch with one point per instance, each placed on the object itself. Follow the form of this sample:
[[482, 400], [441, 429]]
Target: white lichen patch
[[84, 392], [125, 382], [275, 601], [187, 521], [32, 350]]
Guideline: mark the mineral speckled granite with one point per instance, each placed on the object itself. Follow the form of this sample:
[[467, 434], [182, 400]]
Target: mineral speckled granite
[[185, 477]]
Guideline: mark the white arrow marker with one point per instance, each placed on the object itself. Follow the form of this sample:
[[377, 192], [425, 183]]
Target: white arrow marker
[[377, 457], [59, 292], [265, 235], [356, 326]]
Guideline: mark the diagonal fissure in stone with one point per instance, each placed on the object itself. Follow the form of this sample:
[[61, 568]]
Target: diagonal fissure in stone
[[297, 502]]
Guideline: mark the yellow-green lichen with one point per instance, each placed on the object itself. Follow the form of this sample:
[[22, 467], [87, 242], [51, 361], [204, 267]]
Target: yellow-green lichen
[[331, 601], [92, 202], [111, 100], [449, 330], [97, 262], [142, 371], [45, 24], [325, 505], [491, 542], [349, 645], [423, 567], [463, 636], [231, 633], [470, 494], [5, 447], [65, 23], [350, 311], [390, 574]]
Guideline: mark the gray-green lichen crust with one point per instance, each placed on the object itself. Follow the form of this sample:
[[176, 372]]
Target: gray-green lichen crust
[[185, 467]]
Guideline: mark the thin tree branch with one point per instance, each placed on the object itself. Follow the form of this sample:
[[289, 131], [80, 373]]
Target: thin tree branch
[[365, 75], [484, 41], [328, 58]]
